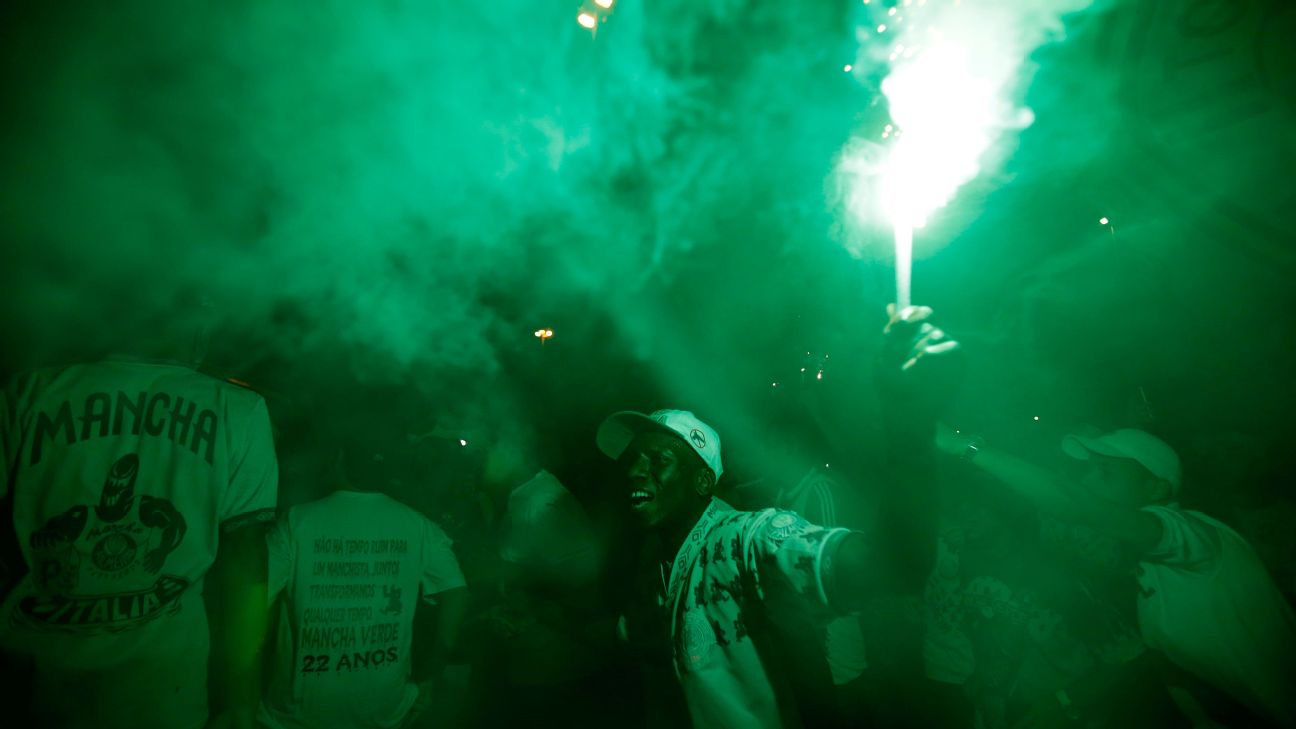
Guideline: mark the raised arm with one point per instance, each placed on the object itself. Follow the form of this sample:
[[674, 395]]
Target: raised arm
[[917, 372]]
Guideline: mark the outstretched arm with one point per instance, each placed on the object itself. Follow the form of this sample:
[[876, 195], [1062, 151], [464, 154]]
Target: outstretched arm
[[1054, 494]]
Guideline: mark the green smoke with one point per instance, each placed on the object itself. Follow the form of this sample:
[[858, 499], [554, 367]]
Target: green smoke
[[405, 189]]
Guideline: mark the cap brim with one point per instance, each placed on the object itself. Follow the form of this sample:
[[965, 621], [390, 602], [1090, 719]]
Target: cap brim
[[616, 432], [1079, 447]]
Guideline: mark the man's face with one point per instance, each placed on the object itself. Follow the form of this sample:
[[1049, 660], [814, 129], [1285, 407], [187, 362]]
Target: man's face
[[658, 474], [1122, 481]]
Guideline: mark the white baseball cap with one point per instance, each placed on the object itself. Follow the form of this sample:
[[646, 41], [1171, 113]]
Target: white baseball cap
[[1148, 450], [616, 432]]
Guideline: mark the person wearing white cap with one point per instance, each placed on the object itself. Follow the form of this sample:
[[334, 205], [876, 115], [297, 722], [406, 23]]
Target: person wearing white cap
[[731, 580], [1205, 600]]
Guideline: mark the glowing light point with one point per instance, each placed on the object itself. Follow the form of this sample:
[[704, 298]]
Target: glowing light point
[[892, 11], [463, 442], [605, 4], [1103, 221], [819, 376], [882, 28], [888, 127], [543, 334], [1036, 418], [773, 384], [586, 20], [847, 68]]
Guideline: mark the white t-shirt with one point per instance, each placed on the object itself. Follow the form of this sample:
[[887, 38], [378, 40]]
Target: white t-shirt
[[124, 475], [815, 498], [350, 568], [1207, 602], [731, 561]]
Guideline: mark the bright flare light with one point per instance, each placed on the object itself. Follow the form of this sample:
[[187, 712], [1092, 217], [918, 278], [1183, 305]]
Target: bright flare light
[[605, 4], [463, 442], [586, 20], [948, 115], [953, 77]]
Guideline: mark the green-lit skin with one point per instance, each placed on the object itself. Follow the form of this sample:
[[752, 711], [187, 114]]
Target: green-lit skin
[[660, 465]]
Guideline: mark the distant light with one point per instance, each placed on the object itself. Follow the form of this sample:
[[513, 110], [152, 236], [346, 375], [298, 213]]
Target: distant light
[[826, 466], [882, 28], [463, 442], [892, 11], [586, 20], [803, 369], [819, 376], [888, 127], [605, 4], [773, 384], [1036, 417], [1102, 221], [847, 68]]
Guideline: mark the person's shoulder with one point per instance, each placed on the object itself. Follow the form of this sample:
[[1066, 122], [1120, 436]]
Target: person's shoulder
[[769, 521], [238, 393], [31, 381], [1175, 514], [1185, 531]]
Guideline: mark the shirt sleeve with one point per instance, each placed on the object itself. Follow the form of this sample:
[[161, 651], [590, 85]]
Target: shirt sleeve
[[280, 552], [1186, 540], [440, 568], [792, 558], [254, 476]]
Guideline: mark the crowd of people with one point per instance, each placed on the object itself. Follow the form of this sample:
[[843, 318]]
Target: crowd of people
[[153, 575]]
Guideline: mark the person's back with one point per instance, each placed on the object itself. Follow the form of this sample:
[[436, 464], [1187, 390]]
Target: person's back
[[125, 475], [1208, 603], [352, 568]]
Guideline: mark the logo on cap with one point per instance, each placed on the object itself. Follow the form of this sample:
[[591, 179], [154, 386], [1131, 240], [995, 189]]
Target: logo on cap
[[698, 438]]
